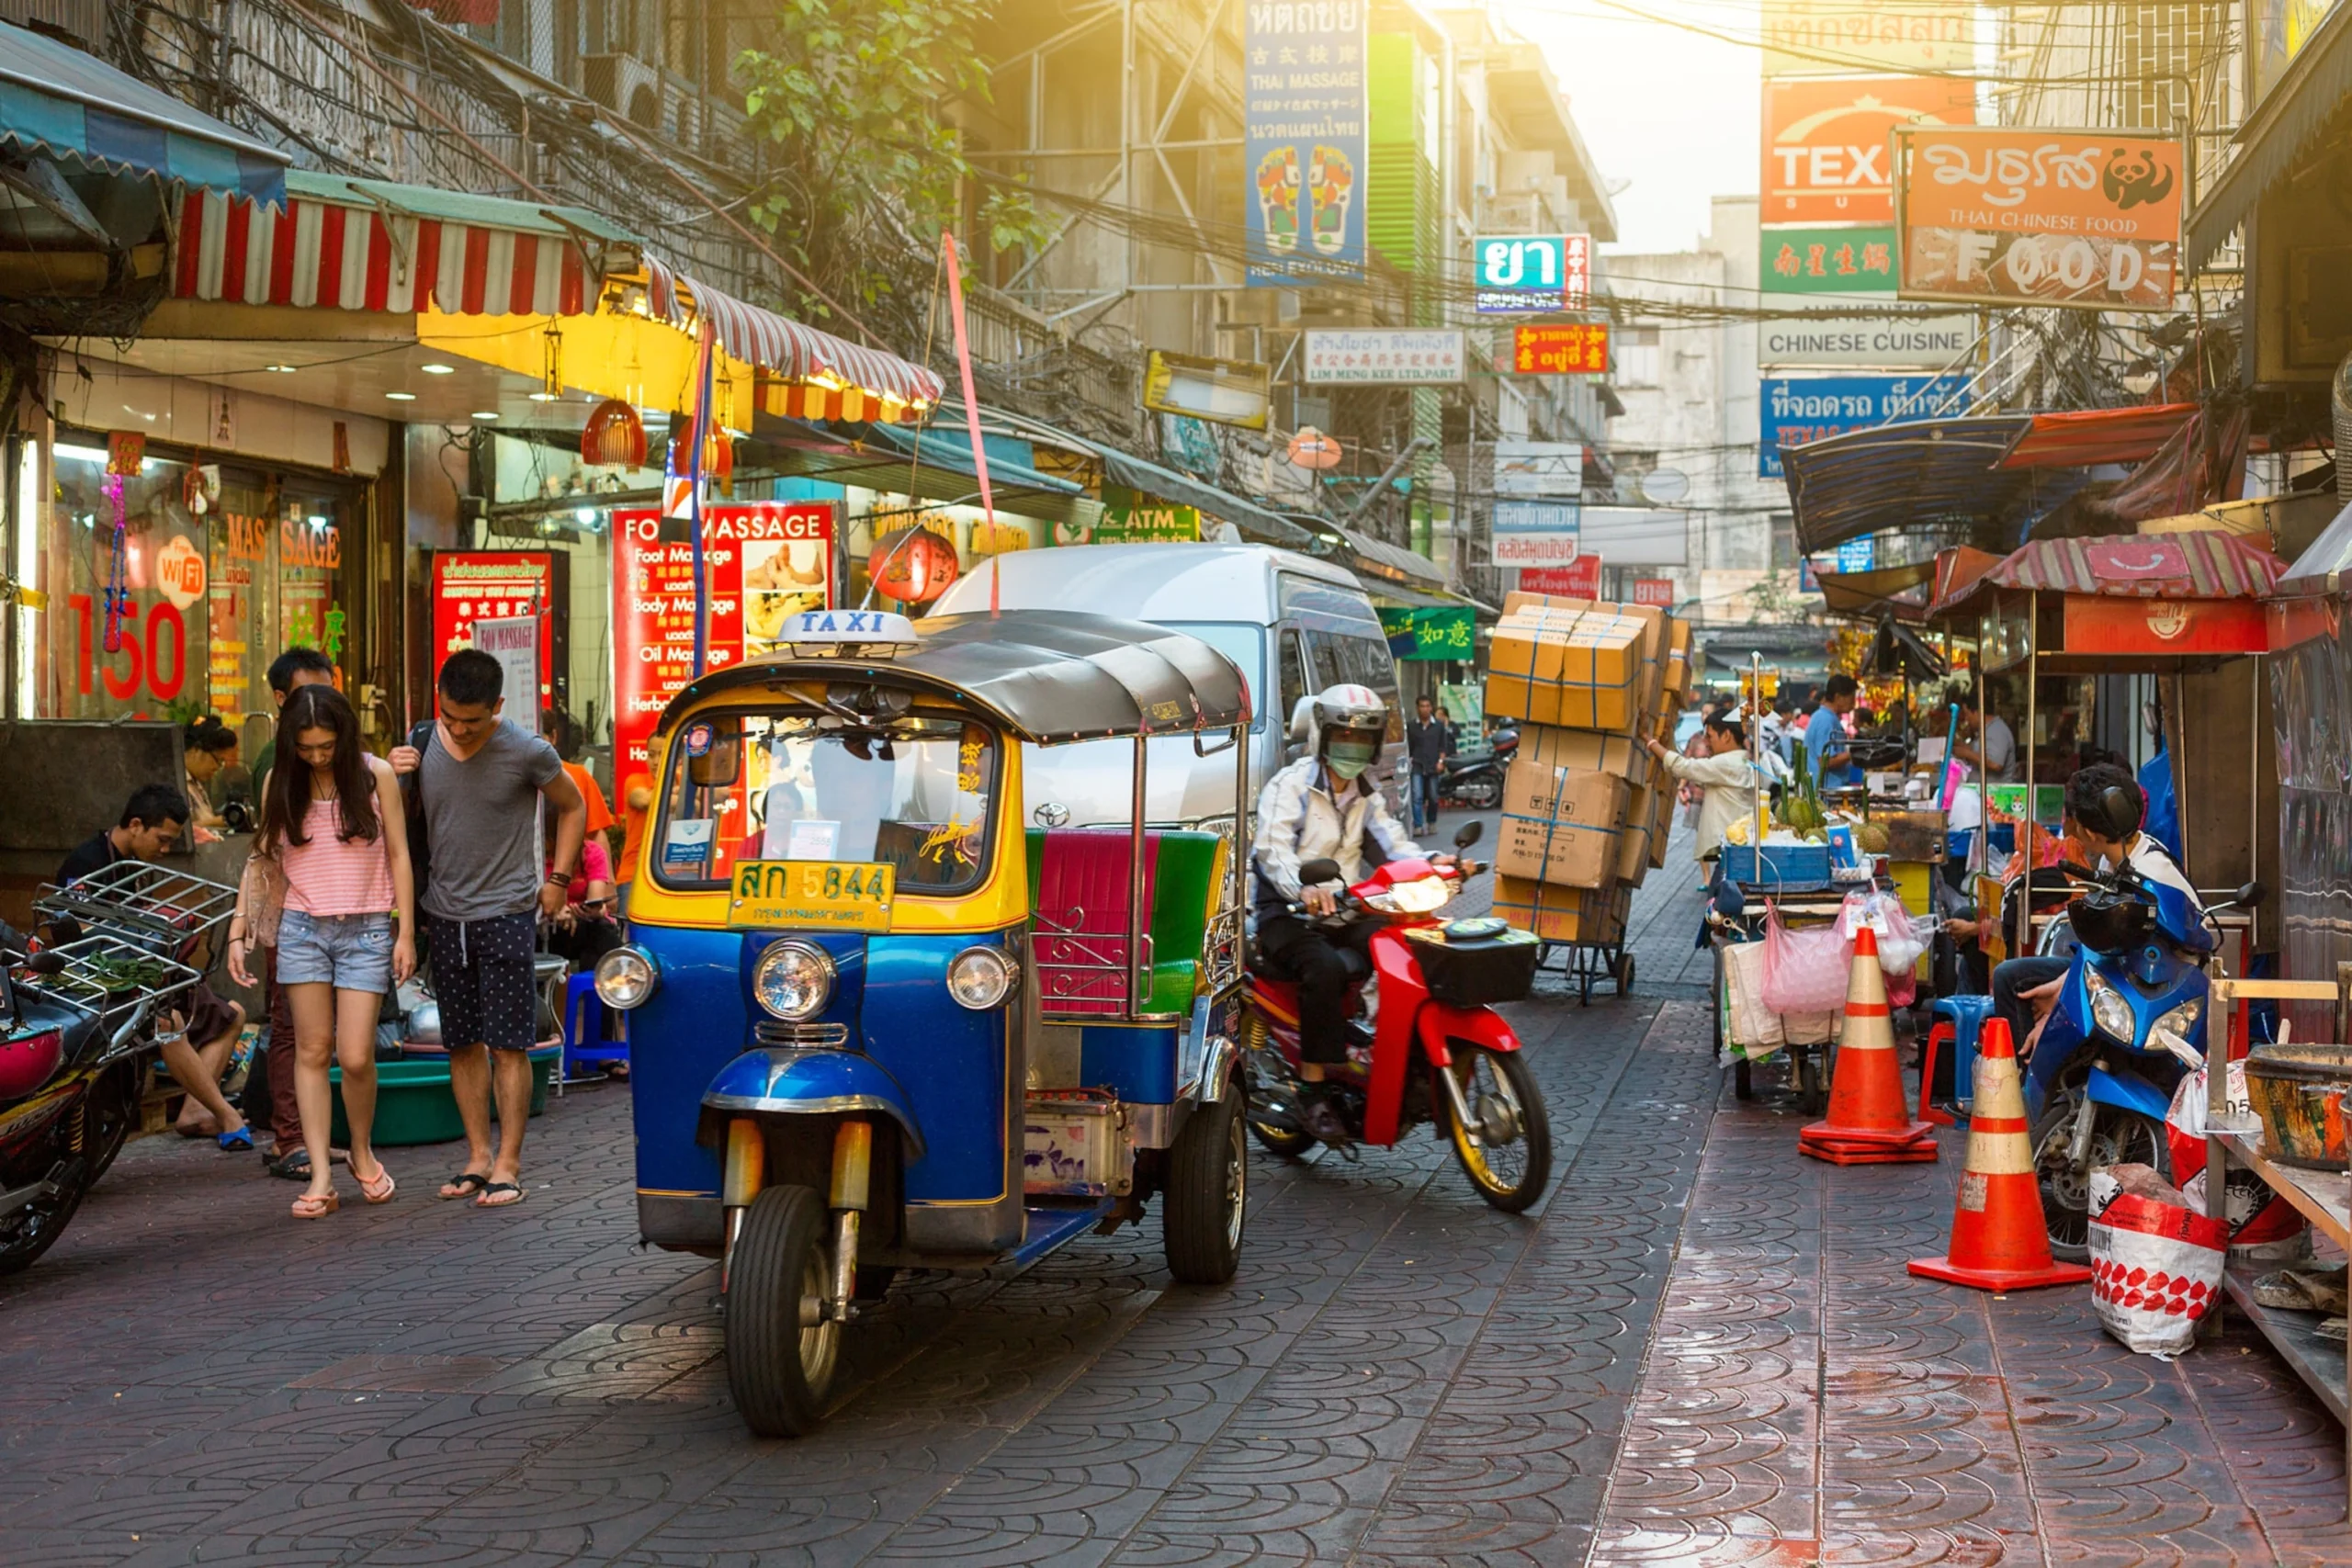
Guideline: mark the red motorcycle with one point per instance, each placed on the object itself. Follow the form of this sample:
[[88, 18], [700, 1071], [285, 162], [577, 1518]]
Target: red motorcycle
[[1435, 1050]]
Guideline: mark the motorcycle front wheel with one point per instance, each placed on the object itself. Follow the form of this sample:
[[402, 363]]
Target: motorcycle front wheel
[[1507, 1150], [2118, 1137], [28, 1232]]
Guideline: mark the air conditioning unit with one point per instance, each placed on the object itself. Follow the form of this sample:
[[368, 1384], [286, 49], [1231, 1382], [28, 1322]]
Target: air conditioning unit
[[625, 84]]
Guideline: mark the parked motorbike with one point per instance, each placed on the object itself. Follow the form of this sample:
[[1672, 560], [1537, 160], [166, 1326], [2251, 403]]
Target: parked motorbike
[[1475, 779], [2129, 1021], [79, 1012], [1435, 1050]]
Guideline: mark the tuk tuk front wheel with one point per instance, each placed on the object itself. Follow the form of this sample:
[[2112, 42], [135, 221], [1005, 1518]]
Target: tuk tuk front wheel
[[781, 1347], [1208, 1193]]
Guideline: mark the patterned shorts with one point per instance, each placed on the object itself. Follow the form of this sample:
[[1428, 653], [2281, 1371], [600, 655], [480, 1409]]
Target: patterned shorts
[[483, 977]]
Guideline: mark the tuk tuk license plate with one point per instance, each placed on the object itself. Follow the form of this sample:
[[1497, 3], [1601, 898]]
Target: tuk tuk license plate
[[774, 895]]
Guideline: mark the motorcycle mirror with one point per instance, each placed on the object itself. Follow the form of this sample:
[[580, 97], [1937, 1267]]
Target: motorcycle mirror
[[1468, 834], [63, 931], [2253, 892], [1312, 872], [45, 964]]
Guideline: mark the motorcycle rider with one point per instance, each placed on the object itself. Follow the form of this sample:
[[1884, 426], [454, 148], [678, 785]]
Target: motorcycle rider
[[1324, 806], [2025, 989]]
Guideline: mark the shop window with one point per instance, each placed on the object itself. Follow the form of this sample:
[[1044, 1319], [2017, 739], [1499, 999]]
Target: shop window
[[1640, 357], [225, 566]]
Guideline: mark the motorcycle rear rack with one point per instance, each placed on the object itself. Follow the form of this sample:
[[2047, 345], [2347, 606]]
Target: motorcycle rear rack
[[85, 985], [163, 908]]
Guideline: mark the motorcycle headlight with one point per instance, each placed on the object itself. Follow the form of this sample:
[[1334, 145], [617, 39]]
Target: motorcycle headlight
[[1418, 897], [793, 981], [2109, 1012], [2181, 1021], [625, 979], [980, 977]]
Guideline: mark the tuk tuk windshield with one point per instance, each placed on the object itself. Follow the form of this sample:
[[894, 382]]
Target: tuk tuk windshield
[[913, 793]]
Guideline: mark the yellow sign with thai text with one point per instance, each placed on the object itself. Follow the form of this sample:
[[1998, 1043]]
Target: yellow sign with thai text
[[800, 895]]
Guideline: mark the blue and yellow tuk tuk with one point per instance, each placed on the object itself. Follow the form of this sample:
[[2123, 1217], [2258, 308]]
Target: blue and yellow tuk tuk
[[876, 1021]]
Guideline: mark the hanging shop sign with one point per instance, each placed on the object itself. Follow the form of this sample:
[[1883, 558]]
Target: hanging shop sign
[[1890, 342], [1814, 260], [1858, 555], [1825, 153], [1530, 272], [473, 586], [1304, 141], [1143, 523], [1564, 348], [1539, 469], [1794, 409], [1580, 578], [1385, 357], [2083, 218], [1310, 448], [1430, 632], [2096, 625], [1223, 391], [1654, 591], [515, 642], [1537, 533], [1819, 38], [762, 561], [2281, 28]]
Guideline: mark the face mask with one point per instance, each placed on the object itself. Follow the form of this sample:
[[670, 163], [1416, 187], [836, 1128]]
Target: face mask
[[1347, 759]]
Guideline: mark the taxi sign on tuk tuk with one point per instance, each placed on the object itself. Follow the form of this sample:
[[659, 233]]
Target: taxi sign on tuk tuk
[[775, 894]]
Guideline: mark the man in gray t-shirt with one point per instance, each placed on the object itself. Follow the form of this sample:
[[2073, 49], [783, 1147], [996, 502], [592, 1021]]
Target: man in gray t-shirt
[[478, 783]]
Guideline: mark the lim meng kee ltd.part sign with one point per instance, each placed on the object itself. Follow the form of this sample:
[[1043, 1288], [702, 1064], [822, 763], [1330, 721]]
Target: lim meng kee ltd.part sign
[[2083, 218]]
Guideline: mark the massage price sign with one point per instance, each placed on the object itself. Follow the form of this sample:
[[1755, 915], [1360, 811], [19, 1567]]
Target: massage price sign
[[762, 561]]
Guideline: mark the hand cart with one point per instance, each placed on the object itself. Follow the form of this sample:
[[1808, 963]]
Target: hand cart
[[1589, 963]]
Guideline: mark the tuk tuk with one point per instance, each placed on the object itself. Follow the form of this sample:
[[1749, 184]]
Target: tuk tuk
[[876, 1021]]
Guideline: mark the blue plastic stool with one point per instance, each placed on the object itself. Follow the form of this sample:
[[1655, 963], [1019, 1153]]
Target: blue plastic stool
[[583, 1030], [1957, 1020]]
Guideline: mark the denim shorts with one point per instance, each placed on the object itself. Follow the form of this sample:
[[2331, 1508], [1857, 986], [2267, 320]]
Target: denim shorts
[[351, 953]]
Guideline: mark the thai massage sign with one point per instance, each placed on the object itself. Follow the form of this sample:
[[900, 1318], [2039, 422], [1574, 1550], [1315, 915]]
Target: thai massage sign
[[2082, 217], [1303, 110], [1825, 153]]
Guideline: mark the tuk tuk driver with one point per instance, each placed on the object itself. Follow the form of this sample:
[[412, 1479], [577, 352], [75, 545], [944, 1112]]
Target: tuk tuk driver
[[1324, 806]]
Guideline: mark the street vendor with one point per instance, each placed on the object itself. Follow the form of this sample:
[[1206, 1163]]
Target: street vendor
[[1723, 772], [1828, 751], [1986, 742]]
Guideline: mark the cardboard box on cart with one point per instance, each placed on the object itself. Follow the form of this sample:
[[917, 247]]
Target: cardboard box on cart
[[1560, 825], [1573, 664], [1563, 914], [1651, 672]]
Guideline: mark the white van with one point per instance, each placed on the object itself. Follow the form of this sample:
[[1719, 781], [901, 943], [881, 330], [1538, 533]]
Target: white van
[[1295, 625]]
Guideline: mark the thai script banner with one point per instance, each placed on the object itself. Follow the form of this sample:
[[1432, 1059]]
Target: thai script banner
[[1827, 37], [1794, 410]]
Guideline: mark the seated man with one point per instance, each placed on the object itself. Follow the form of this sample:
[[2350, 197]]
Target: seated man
[[2025, 989], [152, 822]]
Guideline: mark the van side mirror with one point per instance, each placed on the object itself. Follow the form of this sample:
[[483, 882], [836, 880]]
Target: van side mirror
[[1325, 868], [1468, 834]]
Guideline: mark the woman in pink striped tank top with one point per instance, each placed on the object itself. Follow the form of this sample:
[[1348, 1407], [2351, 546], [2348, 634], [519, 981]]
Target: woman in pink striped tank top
[[332, 815]]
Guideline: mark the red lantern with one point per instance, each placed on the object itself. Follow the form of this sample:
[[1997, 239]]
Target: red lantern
[[913, 566], [615, 436], [717, 458]]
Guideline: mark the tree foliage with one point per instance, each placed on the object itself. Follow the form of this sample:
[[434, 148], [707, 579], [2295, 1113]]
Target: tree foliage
[[852, 96]]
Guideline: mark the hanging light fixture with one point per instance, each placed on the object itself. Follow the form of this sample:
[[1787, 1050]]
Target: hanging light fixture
[[614, 435], [717, 456]]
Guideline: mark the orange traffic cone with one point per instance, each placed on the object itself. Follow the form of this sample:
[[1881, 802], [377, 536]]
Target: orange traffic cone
[[1868, 1122], [1999, 1240]]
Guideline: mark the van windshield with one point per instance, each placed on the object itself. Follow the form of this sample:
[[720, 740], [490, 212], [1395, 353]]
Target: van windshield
[[1245, 644], [914, 793]]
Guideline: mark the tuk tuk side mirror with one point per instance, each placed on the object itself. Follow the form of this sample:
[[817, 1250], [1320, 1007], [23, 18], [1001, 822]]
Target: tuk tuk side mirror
[[1323, 869], [1468, 834], [718, 768]]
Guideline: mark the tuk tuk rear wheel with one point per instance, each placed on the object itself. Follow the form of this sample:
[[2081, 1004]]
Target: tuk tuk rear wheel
[[781, 1350], [1208, 1193]]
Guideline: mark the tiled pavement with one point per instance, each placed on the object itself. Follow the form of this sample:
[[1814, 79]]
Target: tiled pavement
[[1398, 1377]]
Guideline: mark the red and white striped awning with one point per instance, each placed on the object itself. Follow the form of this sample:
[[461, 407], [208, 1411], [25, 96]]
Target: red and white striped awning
[[784, 348], [395, 255]]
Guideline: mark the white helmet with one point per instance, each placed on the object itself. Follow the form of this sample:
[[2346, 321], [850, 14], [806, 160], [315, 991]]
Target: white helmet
[[1343, 707]]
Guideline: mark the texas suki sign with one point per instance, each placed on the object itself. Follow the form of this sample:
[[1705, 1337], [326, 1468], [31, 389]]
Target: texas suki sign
[[2016, 213], [1826, 157]]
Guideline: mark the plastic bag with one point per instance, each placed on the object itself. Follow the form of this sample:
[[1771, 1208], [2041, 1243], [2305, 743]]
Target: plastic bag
[[1899, 944], [1804, 972], [1752, 1030], [2155, 1270], [2256, 1214]]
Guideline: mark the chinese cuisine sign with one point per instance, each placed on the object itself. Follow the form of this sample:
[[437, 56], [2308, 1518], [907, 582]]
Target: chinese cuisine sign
[[763, 562], [2041, 217], [1304, 141]]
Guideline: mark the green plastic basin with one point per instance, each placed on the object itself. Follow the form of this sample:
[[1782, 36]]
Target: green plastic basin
[[414, 1105]]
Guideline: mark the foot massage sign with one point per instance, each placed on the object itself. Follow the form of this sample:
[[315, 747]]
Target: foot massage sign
[[1305, 107], [766, 560]]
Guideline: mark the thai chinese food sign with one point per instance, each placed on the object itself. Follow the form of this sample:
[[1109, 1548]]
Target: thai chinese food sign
[[2082, 217], [1304, 108]]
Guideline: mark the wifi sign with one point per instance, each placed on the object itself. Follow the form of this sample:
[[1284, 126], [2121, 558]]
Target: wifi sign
[[1530, 272]]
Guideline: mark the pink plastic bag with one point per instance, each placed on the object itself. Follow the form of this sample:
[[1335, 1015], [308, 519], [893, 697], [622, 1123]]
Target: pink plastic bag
[[1899, 945], [1804, 972]]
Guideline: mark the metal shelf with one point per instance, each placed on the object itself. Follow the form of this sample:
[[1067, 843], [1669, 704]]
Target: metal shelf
[[2321, 1363], [2324, 1196]]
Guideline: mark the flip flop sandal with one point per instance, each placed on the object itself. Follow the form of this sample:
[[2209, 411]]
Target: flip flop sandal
[[308, 1208], [488, 1200], [236, 1143], [295, 1167], [471, 1183], [381, 1189]]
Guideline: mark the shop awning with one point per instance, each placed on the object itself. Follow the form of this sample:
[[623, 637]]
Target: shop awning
[[57, 100], [2292, 120], [353, 244], [785, 348], [884, 458], [1382, 564], [2132, 566], [2095, 435], [1132, 472], [1895, 476], [2326, 566], [1402, 597], [1900, 591]]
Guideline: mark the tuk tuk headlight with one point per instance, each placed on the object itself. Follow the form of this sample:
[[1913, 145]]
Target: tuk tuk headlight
[[980, 977], [2109, 1011], [626, 977], [794, 981]]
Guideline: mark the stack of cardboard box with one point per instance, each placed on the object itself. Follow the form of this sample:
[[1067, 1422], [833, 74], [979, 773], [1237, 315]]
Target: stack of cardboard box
[[1586, 810]]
